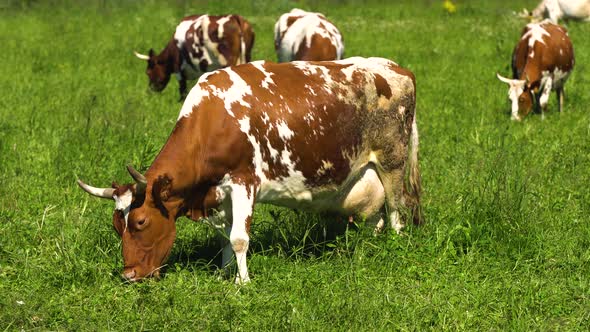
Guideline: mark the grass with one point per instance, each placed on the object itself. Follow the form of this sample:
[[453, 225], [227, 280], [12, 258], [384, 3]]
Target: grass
[[506, 245]]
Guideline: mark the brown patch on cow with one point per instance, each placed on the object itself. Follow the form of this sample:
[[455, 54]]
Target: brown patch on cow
[[239, 245], [383, 88], [292, 20], [320, 49]]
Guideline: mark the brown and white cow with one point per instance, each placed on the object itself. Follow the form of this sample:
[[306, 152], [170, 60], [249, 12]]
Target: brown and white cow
[[200, 43], [555, 10], [320, 136], [301, 35], [541, 62]]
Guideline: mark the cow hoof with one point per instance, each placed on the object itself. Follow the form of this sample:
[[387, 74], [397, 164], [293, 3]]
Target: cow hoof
[[242, 281]]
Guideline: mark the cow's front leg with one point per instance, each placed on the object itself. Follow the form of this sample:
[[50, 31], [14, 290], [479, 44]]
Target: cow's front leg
[[242, 198], [544, 99], [181, 87]]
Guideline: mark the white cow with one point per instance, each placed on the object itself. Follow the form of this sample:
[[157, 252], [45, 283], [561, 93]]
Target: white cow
[[301, 35], [562, 9]]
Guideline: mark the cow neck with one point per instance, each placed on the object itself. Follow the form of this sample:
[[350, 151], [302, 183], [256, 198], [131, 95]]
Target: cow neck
[[171, 171], [171, 54], [531, 73]]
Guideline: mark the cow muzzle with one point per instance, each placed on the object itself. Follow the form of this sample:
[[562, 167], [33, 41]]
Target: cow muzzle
[[129, 274], [157, 87], [132, 274]]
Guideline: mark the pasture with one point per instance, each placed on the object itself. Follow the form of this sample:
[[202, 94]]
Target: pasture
[[505, 246]]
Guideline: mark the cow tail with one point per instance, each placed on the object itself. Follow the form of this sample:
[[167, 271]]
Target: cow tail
[[247, 40], [415, 186]]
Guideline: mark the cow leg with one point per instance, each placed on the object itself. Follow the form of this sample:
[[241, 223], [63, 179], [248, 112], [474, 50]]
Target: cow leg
[[544, 99], [560, 97], [393, 185], [227, 253], [181, 87], [242, 198]]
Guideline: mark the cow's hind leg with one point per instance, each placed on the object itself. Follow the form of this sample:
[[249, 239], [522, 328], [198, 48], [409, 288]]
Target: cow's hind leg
[[560, 97], [393, 184]]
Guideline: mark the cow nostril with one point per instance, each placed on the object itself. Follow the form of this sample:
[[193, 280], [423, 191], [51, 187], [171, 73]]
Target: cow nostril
[[129, 274]]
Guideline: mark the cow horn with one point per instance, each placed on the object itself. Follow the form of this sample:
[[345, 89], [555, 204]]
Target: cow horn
[[98, 192], [139, 179], [141, 56], [503, 79]]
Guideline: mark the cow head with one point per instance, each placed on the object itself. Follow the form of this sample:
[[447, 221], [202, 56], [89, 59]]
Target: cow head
[[159, 69], [147, 230], [521, 95]]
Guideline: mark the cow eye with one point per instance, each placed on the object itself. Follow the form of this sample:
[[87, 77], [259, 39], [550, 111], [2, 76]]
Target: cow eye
[[141, 224]]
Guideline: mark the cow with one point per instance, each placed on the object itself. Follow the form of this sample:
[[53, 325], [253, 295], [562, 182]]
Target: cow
[[200, 43], [542, 61], [301, 35], [555, 10], [338, 137]]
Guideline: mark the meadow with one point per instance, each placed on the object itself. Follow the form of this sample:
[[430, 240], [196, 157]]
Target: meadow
[[505, 246]]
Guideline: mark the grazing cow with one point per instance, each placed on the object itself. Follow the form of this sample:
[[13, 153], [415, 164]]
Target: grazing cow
[[542, 61], [562, 9], [301, 35], [201, 43], [320, 136]]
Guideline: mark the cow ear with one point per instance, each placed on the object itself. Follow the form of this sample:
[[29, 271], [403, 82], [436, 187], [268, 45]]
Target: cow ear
[[162, 188]]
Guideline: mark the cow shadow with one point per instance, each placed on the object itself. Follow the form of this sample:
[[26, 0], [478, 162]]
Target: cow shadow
[[275, 231]]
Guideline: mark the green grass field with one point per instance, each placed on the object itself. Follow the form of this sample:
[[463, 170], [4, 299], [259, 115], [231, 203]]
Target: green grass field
[[506, 244]]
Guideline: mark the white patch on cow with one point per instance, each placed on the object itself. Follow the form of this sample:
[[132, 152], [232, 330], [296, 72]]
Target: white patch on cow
[[311, 90], [274, 153], [123, 203], [290, 188], [265, 118], [401, 109], [209, 48], [242, 206], [559, 78], [194, 97], [535, 33], [221, 22], [181, 30], [236, 92], [546, 83], [284, 131], [302, 31], [532, 55], [560, 51], [267, 76], [259, 164]]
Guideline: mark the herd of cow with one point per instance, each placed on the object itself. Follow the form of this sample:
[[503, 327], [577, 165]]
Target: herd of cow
[[313, 132]]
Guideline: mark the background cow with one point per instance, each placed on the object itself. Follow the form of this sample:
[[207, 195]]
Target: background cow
[[201, 43], [322, 136], [562, 9], [542, 61], [301, 35]]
